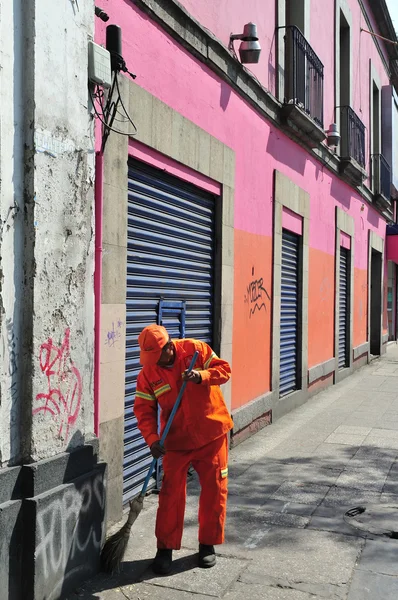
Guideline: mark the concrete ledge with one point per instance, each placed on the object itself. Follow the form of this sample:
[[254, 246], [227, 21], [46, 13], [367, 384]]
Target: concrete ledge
[[322, 370], [254, 427], [60, 469], [11, 544], [343, 374], [288, 403], [64, 538], [360, 350], [10, 484], [360, 362], [245, 415], [320, 385]]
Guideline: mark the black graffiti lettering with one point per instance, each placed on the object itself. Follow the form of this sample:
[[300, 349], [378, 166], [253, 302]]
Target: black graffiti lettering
[[256, 296]]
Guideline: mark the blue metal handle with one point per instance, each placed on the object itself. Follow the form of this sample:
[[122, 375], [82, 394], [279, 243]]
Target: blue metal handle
[[169, 423]]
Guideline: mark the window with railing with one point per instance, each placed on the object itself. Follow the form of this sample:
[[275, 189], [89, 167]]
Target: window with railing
[[381, 173], [352, 135], [304, 75]]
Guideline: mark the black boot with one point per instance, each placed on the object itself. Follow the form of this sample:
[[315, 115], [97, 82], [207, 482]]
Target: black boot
[[207, 556], [163, 561]]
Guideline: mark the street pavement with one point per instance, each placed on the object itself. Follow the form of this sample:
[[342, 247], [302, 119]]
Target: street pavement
[[289, 488]]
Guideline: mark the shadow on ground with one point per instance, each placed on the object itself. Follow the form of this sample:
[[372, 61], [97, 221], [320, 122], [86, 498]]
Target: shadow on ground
[[272, 501]]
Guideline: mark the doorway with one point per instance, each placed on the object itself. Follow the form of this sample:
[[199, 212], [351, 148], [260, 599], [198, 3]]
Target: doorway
[[376, 307]]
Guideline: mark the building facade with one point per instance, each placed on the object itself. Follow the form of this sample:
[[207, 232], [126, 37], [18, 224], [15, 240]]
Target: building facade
[[230, 214], [52, 487], [215, 198]]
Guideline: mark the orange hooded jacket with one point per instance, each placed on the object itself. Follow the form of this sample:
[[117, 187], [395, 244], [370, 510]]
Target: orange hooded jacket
[[202, 416]]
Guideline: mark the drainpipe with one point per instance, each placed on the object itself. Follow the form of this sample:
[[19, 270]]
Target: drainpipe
[[99, 165]]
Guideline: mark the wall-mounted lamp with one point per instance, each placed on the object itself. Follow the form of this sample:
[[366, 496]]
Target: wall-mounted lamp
[[333, 136], [250, 49]]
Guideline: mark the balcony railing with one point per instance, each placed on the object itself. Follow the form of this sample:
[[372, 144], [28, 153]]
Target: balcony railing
[[304, 75], [381, 176], [352, 136]]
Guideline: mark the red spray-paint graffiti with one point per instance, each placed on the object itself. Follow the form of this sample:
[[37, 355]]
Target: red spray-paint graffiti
[[63, 398]]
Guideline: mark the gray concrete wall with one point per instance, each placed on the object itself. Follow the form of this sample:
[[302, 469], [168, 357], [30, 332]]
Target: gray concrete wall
[[52, 508], [47, 173], [62, 212]]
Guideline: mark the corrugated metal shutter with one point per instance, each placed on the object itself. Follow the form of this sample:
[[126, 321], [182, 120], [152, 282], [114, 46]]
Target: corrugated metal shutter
[[170, 255], [289, 313], [343, 308]]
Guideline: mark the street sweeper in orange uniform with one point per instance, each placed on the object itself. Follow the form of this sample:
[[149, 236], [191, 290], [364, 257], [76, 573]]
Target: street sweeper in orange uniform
[[198, 436]]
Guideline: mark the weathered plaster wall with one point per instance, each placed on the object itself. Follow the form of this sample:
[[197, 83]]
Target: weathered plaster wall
[[63, 229], [13, 90], [46, 303]]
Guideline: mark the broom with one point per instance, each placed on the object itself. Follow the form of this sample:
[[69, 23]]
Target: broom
[[115, 547]]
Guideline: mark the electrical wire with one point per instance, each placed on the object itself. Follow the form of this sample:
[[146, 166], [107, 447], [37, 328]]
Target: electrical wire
[[124, 108], [101, 119]]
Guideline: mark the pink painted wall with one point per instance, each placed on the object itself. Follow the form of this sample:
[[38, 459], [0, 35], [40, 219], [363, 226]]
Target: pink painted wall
[[345, 240], [190, 88], [292, 221], [171, 74], [392, 248], [223, 17]]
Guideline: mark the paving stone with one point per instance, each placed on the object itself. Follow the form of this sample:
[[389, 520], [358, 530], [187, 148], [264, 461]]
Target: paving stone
[[319, 476], [372, 586], [306, 493], [347, 497], [369, 456], [362, 479], [294, 508], [378, 440], [345, 438], [380, 556], [334, 524], [284, 519], [259, 592], [188, 577], [353, 430], [304, 555], [372, 382]]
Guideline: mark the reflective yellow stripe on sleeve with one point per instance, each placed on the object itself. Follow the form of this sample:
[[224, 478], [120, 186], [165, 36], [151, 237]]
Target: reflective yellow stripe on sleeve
[[145, 396], [208, 361], [224, 473], [162, 390]]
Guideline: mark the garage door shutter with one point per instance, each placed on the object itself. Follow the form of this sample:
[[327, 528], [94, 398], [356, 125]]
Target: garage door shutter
[[170, 255]]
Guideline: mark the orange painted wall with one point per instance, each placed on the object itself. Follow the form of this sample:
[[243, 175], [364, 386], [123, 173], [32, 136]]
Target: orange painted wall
[[321, 291], [360, 306], [251, 359]]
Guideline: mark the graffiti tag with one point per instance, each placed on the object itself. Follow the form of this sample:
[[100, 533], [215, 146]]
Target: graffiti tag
[[62, 399], [113, 336], [256, 296], [69, 530]]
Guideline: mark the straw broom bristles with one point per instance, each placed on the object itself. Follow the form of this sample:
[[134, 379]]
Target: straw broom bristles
[[114, 548]]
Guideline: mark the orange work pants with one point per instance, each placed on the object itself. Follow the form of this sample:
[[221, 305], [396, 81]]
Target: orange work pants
[[211, 464]]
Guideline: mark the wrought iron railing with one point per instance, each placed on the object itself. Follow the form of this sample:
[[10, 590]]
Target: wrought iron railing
[[352, 135], [304, 75], [381, 173]]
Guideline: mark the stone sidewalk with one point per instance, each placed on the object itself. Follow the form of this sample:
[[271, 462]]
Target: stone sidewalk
[[290, 486]]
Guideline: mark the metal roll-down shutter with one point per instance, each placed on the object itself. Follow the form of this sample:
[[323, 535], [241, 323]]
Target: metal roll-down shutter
[[343, 308], [289, 313], [170, 255]]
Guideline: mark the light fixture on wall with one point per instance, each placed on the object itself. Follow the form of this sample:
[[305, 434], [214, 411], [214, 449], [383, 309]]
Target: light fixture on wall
[[333, 135], [250, 49]]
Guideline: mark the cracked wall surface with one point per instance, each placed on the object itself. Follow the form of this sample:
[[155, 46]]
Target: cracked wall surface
[[47, 227]]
